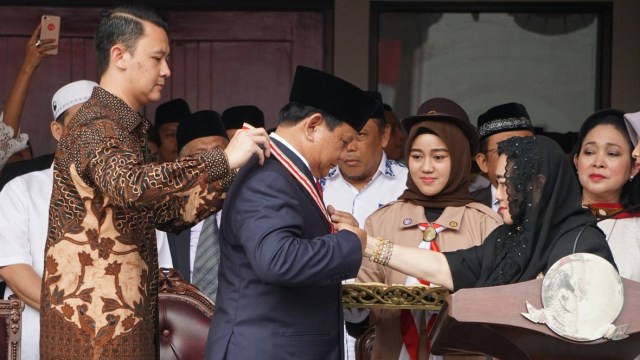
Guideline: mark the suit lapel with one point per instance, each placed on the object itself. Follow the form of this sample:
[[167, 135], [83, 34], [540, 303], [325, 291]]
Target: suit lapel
[[295, 159], [299, 163]]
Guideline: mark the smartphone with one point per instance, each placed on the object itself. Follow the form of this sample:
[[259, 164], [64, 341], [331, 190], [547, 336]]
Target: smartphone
[[50, 29]]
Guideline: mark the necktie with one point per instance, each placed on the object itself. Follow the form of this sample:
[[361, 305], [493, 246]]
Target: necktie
[[205, 265], [319, 187]]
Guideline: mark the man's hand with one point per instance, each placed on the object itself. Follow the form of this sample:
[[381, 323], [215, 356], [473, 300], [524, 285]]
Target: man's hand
[[244, 144], [338, 216], [362, 235]]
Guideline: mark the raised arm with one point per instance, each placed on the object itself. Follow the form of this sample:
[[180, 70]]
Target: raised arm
[[33, 56], [181, 193]]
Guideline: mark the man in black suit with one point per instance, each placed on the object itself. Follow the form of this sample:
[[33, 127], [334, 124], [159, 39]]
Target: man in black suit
[[496, 124], [198, 132], [281, 259]]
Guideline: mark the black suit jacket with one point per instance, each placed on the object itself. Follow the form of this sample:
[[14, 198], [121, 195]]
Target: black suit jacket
[[483, 195], [179, 246], [279, 290]]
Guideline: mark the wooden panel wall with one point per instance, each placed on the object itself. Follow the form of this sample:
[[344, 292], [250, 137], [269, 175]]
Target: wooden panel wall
[[219, 59]]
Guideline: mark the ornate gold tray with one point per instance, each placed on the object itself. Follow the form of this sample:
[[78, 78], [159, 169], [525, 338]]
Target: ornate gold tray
[[374, 295]]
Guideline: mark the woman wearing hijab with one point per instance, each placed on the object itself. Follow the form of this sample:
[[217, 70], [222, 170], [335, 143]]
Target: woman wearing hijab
[[544, 221], [436, 212], [605, 170], [632, 120]]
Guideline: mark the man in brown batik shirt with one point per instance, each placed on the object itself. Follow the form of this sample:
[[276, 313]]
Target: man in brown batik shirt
[[99, 289]]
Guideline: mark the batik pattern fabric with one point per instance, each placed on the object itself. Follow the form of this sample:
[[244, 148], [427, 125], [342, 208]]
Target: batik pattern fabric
[[99, 290]]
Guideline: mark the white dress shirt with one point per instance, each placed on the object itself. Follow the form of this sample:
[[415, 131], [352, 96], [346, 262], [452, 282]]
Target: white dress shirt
[[164, 253], [495, 204], [389, 182], [24, 219]]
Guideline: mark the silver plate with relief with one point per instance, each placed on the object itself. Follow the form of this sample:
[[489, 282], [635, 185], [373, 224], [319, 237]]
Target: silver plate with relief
[[582, 295]]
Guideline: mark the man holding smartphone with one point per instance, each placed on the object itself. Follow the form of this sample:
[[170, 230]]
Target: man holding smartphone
[[99, 287], [12, 141]]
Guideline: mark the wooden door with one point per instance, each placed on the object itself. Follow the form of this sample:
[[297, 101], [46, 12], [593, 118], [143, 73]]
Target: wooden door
[[218, 59]]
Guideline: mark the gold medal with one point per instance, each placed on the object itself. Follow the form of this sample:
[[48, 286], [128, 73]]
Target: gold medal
[[429, 234]]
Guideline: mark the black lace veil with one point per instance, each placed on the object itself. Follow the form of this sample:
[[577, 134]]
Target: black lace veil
[[544, 202]]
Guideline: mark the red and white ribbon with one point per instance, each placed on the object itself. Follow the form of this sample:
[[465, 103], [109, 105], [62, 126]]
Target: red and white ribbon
[[299, 176], [412, 320]]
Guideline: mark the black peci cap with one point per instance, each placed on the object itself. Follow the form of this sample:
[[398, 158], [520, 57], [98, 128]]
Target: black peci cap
[[200, 124], [339, 98], [505, 117], [235, 116], [171, 111]]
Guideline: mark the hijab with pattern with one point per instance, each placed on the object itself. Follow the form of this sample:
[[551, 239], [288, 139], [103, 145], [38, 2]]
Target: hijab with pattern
[[545, 204], [456, 191]]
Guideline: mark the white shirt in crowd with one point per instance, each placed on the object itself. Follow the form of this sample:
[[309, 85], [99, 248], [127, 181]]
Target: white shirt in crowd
[[24, 220], [387, 184], [623, 236], [495, 204]]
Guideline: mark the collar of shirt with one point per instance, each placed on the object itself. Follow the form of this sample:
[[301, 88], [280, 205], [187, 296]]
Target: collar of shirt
[[451, 217], [495, 204], [285, 143], [385, 168], [127, 116]]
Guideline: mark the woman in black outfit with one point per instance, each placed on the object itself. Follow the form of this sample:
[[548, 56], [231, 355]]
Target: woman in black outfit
[[541, 206]]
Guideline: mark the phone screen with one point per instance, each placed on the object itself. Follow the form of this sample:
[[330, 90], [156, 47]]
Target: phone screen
[[50, 29]]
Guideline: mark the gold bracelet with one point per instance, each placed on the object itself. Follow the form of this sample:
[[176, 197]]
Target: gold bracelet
[[376, 252], [389, 252], [383, 251]]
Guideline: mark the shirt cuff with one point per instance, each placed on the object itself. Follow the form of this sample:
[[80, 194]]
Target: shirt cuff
[[217, 167]]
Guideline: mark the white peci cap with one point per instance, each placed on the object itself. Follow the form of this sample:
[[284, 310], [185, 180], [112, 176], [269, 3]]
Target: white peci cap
[[71, 94], [633, 125]]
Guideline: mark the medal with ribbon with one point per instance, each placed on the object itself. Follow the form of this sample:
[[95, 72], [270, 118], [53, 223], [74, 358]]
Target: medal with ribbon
[[430, 231]]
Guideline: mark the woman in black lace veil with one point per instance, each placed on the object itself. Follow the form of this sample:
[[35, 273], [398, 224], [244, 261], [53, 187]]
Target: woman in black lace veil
[[544, 222]]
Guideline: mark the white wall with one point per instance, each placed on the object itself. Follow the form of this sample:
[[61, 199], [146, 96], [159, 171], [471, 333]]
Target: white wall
[[351, 48]]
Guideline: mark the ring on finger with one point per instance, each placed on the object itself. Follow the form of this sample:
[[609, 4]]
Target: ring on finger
[[38, 43]]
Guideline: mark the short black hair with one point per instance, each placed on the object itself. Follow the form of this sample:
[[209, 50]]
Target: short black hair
[[611, 117], [60, 118], [153, 135], [122, 24], [381, 123], [484, 146], [294, 112]]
